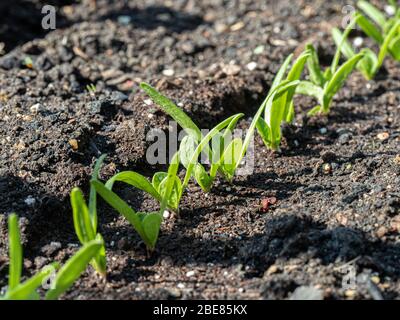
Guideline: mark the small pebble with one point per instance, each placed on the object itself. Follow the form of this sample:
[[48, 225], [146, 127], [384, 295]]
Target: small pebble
[[251, 66], [30, 201], [181, 285], [166, 214], [390, 10], [323, 131], [190, 273], [74, 144], [383, 136], [36, 108], [148, 102], [168, 72], [259, 50], [358, 42]]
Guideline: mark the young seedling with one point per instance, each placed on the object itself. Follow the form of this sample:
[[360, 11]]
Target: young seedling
[[324, 84], [28, 290], [226, 154], [73, 268], [147, 225], [370, 63], [382, 29], [85, 219], [280, 109]]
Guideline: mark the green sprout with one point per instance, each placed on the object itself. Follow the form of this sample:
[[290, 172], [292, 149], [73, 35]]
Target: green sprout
[[147, 225], [91, 88], [226, 154], [384, 31], [63, 280], [85, 219], [370, 63], [280, 109], [325, 84]]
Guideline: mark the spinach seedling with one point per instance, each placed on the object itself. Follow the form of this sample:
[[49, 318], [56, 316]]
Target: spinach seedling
[[73, 268], [383, 30], [370, 63], [324, 84], [147, 225], [226, 154], [85, 219], [280, 109], [64, 278]]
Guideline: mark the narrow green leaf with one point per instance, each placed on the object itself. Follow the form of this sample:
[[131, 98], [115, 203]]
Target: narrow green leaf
[[385, 46], [230, 158], [136, 180], [93, 194], [369, 28], [15, 252], [170, 182], [308, 88], [170, 108], [281, 73], [342, 42], [73, 268], [121, 206], [314, 67], [27, 289], [346, 48], [373, 12], [395, 47], [339, 79], [202, 145], [81, 217]]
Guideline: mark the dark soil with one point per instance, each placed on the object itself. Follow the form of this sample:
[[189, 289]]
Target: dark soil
[[336, 179]]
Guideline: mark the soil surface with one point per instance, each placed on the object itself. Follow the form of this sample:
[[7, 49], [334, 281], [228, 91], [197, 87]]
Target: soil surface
[[336, 179]]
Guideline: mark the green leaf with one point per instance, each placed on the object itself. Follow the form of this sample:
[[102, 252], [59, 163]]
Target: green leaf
[[308, 88], [230, 158], [158, 178], [314, 67], [314, 111], [73, 268], [15, 252], [264, 131], [170, 108], [368, 64], [202, 178], [151, 226], [369, 28], [373, 12], [281, 73], [186, 149], [121, 206], [385, 46], [27, 290], [176, 113], [276, 93], [82, 222], [99, 262], [338, 80], [136, 180], [395, 47], [346, 48], [170, 184], [342, 42], [294, 74], [202, 145], [93, 194]]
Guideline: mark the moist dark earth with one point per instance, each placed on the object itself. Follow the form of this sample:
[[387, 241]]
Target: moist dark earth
[[336, 178]]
